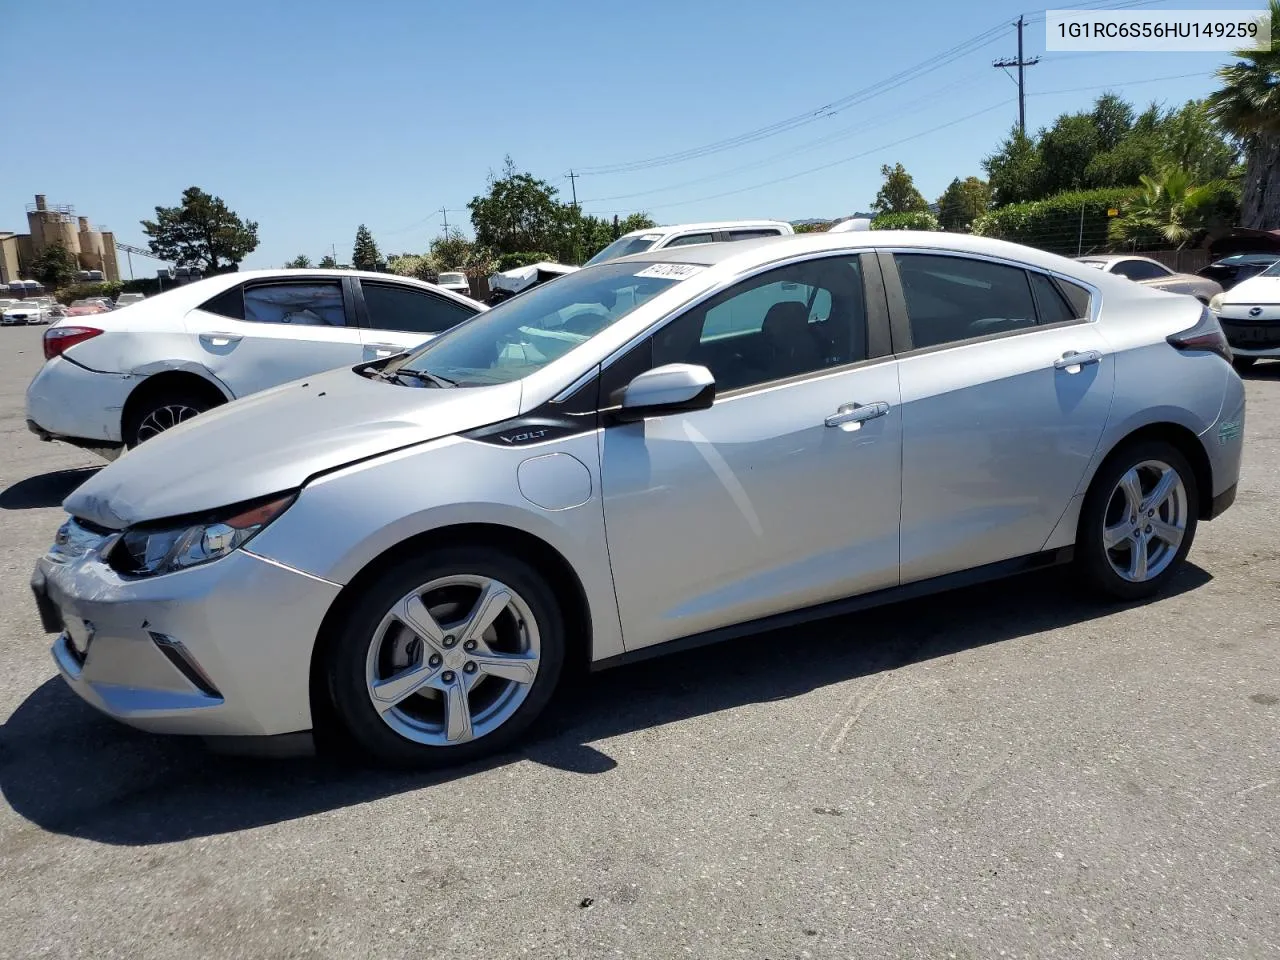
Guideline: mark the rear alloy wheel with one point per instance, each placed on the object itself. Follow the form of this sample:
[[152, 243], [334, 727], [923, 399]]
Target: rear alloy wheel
[[1243, 363], [1138, 521], [447, 658], [162, 413]]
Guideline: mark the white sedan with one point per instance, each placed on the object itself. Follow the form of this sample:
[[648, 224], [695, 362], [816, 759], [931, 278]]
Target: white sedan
[[25, 313], [112, 380], [1250, 317]]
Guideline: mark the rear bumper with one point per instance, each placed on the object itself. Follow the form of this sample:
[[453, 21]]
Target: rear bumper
[[68, 401]]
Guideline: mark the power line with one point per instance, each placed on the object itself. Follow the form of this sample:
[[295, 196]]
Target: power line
[[1021, 63], [1127, 83], [834, 163]]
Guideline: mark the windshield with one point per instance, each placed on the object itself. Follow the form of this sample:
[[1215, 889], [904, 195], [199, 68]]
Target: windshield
[[527, 332], [1273, 270], [625, 246], [454, 278]]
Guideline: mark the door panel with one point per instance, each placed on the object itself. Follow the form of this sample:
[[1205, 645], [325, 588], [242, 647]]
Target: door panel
[[282, 332], [753, 506], [995, 442]]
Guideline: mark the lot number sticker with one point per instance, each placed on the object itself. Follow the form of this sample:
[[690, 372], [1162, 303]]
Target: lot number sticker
[[671, 271]]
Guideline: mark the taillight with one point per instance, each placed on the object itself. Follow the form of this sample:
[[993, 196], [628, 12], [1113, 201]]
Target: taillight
[[1205, 335], [57, 340]]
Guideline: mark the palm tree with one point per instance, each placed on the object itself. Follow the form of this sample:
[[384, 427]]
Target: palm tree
[[1248, 107], [1170, 208]]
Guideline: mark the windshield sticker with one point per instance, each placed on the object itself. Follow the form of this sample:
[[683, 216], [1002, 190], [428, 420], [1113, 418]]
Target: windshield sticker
[[671, 271]]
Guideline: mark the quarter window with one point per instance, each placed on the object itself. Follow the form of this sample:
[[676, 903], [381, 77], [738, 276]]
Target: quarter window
[[312, 304], [1051, 305], [956, 298], [393, 307], [689, 239], [794, 320]]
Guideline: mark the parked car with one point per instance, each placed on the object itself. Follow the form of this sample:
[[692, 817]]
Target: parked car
[[113, 380], [1237, 268], [125, 299], [85, 308], [26, 312], [1250, 317], [1153, 273], [687, 234], [646, 455], [454, 282], [507, 283]]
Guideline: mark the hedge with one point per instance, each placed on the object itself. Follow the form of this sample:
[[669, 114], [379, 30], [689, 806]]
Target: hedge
[[1069, 223], [907, 220]]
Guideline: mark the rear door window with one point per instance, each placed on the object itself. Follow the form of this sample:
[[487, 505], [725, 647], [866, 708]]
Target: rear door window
[[950, 299], [315, 303], [395, 307]]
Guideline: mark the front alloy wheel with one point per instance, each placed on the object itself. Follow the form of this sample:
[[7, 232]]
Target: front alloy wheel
[[445, 657]]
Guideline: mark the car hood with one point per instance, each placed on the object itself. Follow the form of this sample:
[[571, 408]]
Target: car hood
[[1257, 290], [275, 440]]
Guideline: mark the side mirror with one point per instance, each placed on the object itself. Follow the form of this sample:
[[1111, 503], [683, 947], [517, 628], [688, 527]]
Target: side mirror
[[668, 389]]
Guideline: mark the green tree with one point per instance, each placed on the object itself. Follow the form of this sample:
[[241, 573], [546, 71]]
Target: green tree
[[1112, 118], [1065, 151], [1015, 172], [364, 254], [201, 232], [1170, 209], [421, 266], [1248, 107], [451, 252], [327, 263], [55, 267], [898, 193], [1191, 140], [518, 212], [963, 202], [300, 262]]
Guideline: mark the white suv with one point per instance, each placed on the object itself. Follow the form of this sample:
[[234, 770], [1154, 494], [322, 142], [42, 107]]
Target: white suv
[[112, 380], [687, 234]]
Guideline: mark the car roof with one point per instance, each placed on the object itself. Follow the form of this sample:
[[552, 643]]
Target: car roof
[[707, 225], [1113, 257]]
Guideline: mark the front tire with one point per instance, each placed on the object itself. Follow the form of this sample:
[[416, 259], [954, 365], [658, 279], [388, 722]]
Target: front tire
[[446, 657], [1137, 522]]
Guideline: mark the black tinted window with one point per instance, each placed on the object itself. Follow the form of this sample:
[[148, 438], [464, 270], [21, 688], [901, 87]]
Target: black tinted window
[[794, 320], [1077, 296], [1139, 269], [1051, 305], [691, 238], [751, 234], [315, 303], [229, 303], [394, 307], [956, 298]]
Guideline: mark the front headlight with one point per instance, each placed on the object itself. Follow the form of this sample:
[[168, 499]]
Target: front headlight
[[157, 548], [1215, 303]]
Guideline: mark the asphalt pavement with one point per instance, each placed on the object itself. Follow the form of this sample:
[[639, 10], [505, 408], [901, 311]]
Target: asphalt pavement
[[1005, 771]]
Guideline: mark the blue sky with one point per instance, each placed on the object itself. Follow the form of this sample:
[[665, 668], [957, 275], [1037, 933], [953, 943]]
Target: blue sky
[[312, 117]]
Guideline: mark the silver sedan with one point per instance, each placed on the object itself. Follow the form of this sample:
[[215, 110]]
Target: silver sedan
[[661, 451], [1152, 273]]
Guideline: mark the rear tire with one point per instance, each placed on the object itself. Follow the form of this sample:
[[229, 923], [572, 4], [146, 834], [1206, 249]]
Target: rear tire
[[1137, 522], [488, 639], [1243, 363], [163, 411]]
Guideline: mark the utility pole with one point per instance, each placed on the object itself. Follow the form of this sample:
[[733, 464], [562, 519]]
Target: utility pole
[[573, 185], [1020, 63], [445, 214]]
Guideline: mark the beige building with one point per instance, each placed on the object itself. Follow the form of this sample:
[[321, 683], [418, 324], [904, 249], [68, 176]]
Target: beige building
[[47, 224]]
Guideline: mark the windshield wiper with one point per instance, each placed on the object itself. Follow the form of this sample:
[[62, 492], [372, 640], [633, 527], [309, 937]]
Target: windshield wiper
[[422, 376]]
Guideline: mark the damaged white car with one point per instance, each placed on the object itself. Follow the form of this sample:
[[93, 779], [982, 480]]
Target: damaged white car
[[112, 380]]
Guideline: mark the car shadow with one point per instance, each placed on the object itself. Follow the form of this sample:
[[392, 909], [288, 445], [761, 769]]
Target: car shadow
[[45, 489], [69, 770]]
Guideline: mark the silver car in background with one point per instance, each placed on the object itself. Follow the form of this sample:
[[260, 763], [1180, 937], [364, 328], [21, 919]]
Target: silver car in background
[[1152, 273], [656, 452]]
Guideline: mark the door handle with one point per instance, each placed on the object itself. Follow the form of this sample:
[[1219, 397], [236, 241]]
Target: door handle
[[853, 415], [220, 339], [1073, 359]]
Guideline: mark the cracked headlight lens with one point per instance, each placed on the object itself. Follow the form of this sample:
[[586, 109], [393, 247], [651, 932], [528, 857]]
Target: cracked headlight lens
[[163, 547]]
